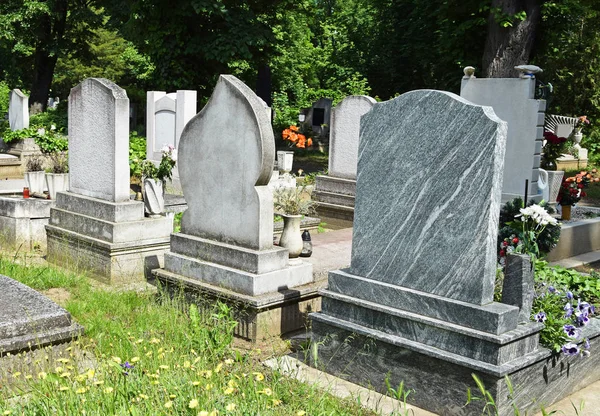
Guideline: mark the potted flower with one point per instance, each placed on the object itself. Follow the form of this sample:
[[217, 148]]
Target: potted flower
[[35, 175], [571, 191], [581, 122], [154, 176], [292, 204], [554, 146], [57, 176], [295, 139]]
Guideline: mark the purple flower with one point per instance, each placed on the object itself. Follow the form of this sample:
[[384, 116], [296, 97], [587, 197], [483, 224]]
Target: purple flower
[[582, 318], [569, 295], [586, 344], [568, 310], [570, 349], [551, 289], [583, 306], [540, 316], [571, 331], [126, 366]]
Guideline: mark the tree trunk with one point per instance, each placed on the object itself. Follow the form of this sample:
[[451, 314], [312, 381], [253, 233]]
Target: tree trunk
[[52, 33], [506, 47]]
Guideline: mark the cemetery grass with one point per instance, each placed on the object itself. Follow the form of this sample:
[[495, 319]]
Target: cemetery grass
[[152, 355]]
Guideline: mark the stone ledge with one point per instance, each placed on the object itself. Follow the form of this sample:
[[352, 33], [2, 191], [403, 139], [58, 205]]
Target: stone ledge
[[494, 318], [252, 261], [332, 184], [19, 207], [236, 279], [101, 209], [334, 199]]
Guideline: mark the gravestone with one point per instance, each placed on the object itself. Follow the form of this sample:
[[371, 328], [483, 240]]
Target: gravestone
[[18, 110], [318, 117], [419, 291], [96, 226], [335, 191], [225, 247], [513, 100]]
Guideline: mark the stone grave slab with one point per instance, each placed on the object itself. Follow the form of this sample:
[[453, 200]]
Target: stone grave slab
[[18, 110]]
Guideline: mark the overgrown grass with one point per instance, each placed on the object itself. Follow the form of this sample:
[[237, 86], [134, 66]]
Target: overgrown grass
[[153, 355]]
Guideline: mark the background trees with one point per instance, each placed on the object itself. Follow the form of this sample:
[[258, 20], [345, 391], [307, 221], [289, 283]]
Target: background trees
[[303, 49]]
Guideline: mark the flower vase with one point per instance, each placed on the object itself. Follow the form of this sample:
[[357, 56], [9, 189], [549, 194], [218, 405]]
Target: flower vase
[[57, 182], [154, 197], [548, 164], [566, 212], [35, 181], [291, 238]]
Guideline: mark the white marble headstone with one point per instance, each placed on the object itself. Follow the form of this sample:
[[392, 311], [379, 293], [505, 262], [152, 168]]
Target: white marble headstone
[[99, 140], [18, 110], [344, 134], [428, 194], [226, 156]]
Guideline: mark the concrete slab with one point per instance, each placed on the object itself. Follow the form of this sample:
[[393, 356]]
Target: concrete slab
[[331, 251]]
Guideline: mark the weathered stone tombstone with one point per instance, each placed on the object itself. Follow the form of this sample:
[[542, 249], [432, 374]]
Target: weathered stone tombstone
[[225, 247], [18, 110], [95, 226], [417, 300], [318, 117], [335, 191], [513, 100]]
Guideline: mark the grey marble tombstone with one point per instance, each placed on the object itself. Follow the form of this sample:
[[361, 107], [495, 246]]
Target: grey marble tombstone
[[421, 280]]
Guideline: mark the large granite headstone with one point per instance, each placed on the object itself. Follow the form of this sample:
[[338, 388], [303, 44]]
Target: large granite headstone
[[225, 247], [29, 320], [18, 110], [423, 265], [96, 226], [335, 191], [99, 140]]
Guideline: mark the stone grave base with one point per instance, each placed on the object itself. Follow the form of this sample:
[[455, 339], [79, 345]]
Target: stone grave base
[[23, 221], [113, 242], [577, 237], [335, 197], [260, 317], [439, 380], [10, 167]]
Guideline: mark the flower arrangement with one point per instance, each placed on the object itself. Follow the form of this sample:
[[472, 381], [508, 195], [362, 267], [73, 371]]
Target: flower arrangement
[[571, 189], [581, 122], [295, 138], [292, 201], [553, 148], [164, 170]]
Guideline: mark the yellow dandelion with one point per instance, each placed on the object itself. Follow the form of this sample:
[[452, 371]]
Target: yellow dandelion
[[155, 341], [229, 361], [230, 407], [161, 349], [228, 390], [116, 359], [70, 367], [80, 377], [108, 390], [63, 388], [17, 374], [139, 341], [172, 396], [208, 374], [90, 373], [80, 390], [267, 391], [8, 412], [28, 377], [155, 382], [300, 413], [143, 397], [169, 404], [193, 404], [276, 402], [195, 383], [203, 413], [98, 383], [258, 376], [163, 367], [149, 353], [58, 370], [231, 383], [134, 360], [65, 374], [218, 367], [42, 375], [208, 386], [187, 364]]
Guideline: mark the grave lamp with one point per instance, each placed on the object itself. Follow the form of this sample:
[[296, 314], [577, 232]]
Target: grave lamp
[[307, 247]]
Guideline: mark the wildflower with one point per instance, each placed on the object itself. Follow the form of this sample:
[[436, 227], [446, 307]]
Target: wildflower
[[63, 388], [258, 377], [195, 383], [135, 360], [267, 391], [300, 413], [218, 367], [126, 366], [116, 360], [571, 331], [98, 383], [163, 367], [80, 390], [17, 374], [228, 361], [90, 373], [169, 404], [108, 390], [276, 402], [7, 412], [540, 316], [551, 289], [570, 349], [172, 396], [568, 310], [569, 295], [193, 404], [230, 407], [228, 391], [155, 341], [203, 413], [187, 364]]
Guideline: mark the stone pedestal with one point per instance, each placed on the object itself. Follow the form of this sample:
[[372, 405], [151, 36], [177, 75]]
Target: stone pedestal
[[112, 241], [23, 221], [335, 197]]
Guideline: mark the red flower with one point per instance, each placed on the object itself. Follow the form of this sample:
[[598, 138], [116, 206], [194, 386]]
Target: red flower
[[515, 240], [502, 253]]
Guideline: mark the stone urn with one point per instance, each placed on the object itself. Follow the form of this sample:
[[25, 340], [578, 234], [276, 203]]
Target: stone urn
[[291, 238], [154, 196], [36, 181], [285, 161], [56, 182]]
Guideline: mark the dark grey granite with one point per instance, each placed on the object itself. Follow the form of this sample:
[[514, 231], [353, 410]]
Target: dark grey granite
[[29, 320], [493, 317], [517, 288], [440, 381], [429, 226]]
